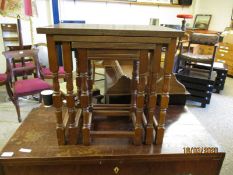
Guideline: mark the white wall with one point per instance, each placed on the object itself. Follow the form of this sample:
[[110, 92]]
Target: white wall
[[219, 9], [116, 13], [44, 18]]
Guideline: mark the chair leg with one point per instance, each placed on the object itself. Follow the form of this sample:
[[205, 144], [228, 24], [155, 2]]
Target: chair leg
[[40, 98], [93, 71], [9, 92], [16, 103]]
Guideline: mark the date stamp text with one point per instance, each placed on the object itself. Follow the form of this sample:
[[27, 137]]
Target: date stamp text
[[200, 150]]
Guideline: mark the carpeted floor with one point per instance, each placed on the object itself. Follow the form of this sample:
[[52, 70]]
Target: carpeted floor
[[217, 118]]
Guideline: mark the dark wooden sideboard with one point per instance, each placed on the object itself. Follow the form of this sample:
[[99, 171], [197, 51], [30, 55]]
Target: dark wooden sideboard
[[111, 156]]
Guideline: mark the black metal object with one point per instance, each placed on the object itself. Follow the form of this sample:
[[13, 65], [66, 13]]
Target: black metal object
[[185, 2], [199, 85]]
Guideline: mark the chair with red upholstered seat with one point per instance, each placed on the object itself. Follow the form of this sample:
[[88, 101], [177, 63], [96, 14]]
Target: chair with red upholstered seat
[[5, 80], [24, 87], [21, 61], [45, 71], [188, 59], [47, 74]]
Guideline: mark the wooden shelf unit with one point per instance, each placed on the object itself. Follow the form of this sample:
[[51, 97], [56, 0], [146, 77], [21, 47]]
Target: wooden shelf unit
[[10, 34], [138, 3], [10, 39]]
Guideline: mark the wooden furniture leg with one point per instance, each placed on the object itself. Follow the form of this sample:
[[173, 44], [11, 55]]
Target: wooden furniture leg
[[83, 68], [78, 78], [143, 68], [57, 99], [90, 83], [165, 90], [155, 59], [68, 67], [134, 83]]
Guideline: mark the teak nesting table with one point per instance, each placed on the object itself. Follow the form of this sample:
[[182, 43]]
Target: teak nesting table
[[137, 43]]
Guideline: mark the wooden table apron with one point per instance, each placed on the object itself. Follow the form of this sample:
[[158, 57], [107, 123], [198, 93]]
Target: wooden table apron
[[121, 37]]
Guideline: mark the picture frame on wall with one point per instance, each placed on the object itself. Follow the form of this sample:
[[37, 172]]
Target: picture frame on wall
[[202, 21], [232, 14]]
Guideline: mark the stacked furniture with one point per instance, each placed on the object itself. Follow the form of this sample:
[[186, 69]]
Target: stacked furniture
[[221, 71], [141, 45], [195, 71], [198, 84]]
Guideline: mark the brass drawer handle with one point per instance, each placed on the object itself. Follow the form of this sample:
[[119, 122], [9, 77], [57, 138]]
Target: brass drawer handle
[[116, 170]]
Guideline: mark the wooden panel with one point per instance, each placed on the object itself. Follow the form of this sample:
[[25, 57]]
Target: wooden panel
[[111, 45], [10, 39], [108, 29], [109, 39], [9, 27]]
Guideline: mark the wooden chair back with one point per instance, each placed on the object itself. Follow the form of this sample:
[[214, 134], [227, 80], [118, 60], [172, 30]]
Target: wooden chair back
[[31, 54], [204, 39]]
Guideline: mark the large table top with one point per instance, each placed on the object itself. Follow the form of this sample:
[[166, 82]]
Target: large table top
[[38, 133], [108, 29]]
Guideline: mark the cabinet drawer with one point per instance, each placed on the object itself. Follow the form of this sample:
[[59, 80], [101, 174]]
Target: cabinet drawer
[[225, 56], [226, 46], [207, 166], [230, 72]]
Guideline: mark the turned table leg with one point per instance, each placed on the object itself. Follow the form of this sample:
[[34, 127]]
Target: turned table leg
[[78, 78], [83, 68], [155, 59], [68, 67], [143, 68], [168, 65], [134, 82], [57, 99], [90, 83]]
